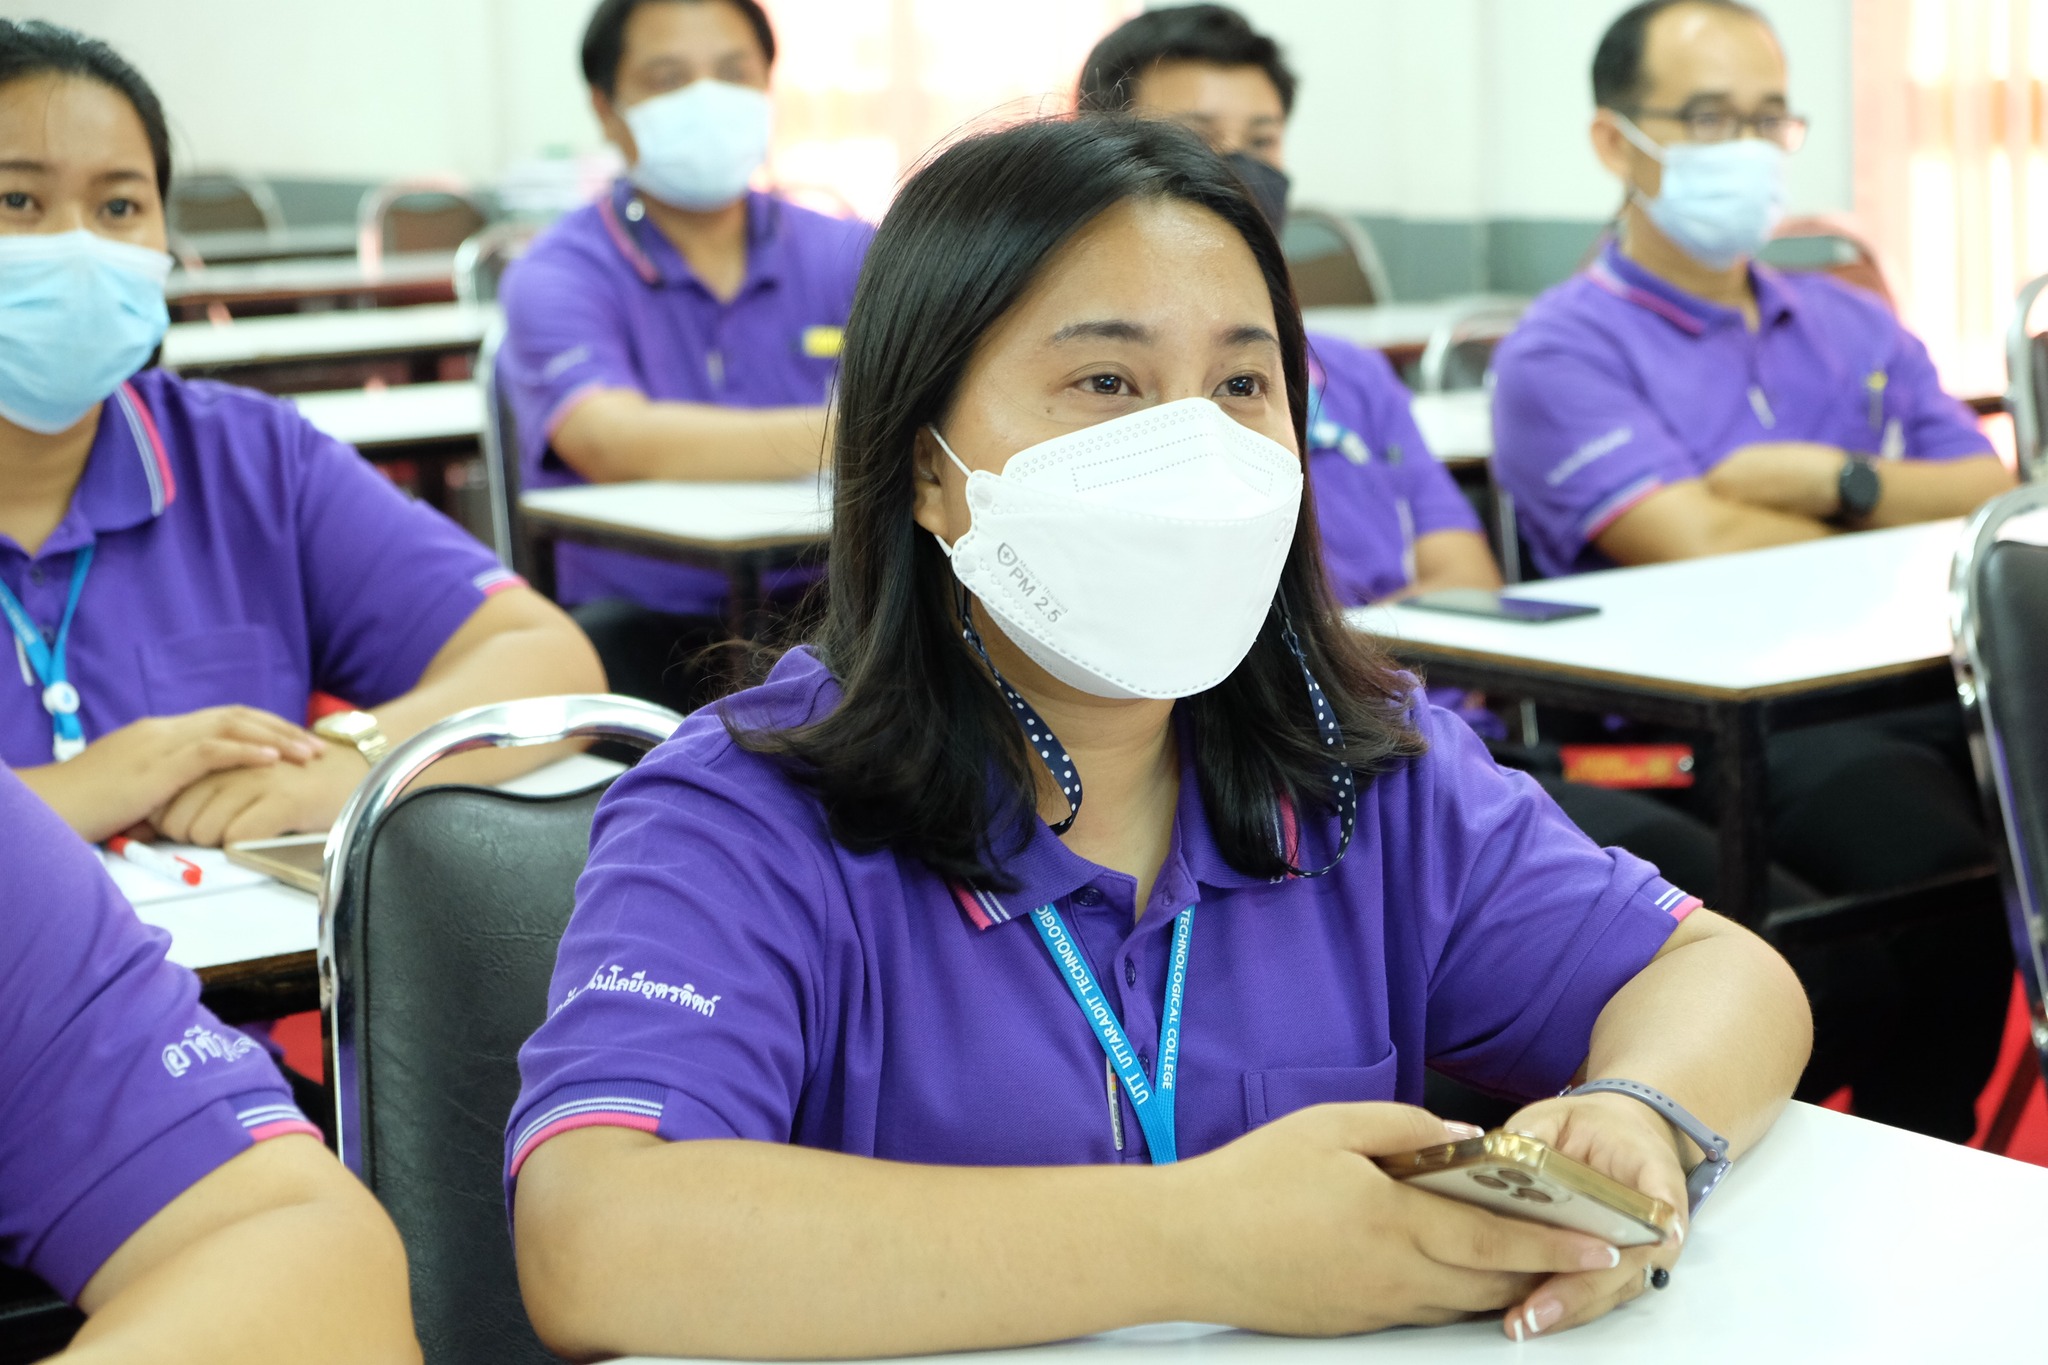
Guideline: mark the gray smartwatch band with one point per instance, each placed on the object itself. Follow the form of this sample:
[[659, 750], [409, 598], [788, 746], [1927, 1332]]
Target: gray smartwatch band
[[1700, 1183]]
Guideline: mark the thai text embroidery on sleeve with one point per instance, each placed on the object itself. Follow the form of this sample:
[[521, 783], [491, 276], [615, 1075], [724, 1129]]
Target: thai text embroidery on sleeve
[[201, 1045], [610, 979]]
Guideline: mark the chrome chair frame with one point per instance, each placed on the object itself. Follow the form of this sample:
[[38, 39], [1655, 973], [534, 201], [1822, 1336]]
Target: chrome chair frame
[[262, 195], [1357, 240], [475, 282], [500, 442], [2024, 886], [346, 861], [2021, 399], [375, 204], [1479, 322]]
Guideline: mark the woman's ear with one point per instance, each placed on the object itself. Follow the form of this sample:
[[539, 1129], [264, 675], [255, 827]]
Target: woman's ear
[[928, 467]]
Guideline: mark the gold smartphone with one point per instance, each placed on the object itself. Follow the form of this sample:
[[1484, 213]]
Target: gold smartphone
[[294, 859], [1526, 1178]]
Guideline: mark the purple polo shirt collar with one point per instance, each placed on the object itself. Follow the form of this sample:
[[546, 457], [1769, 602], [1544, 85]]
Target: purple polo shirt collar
[[1623, 278], [127, 479], [1046, 871], [654, 257]]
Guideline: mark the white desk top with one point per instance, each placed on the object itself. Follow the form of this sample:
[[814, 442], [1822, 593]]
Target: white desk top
[[310, 277], [1457, 425], [1834, 1240], [245, 923], [321, 336], [401, 414], [1763, 619], [714, 516], [1387, 326]]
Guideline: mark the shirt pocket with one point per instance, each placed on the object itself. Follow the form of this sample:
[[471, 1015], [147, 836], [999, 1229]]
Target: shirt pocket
[[1269, 1095], [227, 666]]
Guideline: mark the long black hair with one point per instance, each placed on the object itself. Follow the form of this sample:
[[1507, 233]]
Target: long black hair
[[34, 48], [921, 754]]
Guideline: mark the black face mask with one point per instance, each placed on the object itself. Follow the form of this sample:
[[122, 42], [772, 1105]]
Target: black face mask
[[1267, 184]]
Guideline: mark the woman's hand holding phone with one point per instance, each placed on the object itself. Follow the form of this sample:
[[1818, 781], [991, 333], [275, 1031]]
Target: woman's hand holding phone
[[1624, 1140], [1297, 1231]]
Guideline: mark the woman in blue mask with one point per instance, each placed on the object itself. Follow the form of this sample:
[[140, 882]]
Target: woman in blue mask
[[183, 565]]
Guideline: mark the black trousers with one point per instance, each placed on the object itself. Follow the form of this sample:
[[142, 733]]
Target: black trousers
[[1911, 1018]]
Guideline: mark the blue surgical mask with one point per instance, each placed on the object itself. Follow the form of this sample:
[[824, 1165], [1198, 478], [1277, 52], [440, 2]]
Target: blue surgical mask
[[697, 147], [78, 314], [1719, 201]]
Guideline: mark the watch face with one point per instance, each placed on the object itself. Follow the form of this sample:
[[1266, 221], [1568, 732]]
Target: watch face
[[1860, 488]]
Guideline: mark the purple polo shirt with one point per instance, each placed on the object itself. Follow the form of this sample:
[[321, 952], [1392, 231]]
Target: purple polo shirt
[[1616, 384], [242, 557], [118, 1090], [732, 971], [1378, 488], [604, 301]]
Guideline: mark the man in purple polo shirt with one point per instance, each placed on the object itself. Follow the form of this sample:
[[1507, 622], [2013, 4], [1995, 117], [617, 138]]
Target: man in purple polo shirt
[[682, 327], [153, 1168], [1678, 399]]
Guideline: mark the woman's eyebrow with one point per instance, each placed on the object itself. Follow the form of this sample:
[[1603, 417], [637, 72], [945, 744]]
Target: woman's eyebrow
[[1108, 329], [1250, 334]]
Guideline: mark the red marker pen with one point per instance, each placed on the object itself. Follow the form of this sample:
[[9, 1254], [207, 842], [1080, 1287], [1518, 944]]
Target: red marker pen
[[168, 865]]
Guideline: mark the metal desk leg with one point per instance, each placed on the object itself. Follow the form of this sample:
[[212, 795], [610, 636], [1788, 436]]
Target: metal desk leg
[[1742, 803]]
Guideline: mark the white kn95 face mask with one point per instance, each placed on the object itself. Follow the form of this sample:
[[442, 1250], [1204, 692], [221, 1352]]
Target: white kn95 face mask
[[1135, 558]]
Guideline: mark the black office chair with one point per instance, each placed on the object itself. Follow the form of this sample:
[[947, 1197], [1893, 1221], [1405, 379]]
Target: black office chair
[[1999, 614], [504, 474], [439, 922]]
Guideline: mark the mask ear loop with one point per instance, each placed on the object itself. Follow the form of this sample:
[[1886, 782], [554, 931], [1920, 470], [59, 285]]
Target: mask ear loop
[[1047, 745], [1343, 782]]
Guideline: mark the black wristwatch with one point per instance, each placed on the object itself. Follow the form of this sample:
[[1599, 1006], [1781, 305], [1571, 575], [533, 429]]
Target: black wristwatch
[[1857, 490]]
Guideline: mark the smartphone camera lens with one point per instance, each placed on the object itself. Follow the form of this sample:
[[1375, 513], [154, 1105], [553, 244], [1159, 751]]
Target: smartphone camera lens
[[1490, 1182], [1534, 1196]]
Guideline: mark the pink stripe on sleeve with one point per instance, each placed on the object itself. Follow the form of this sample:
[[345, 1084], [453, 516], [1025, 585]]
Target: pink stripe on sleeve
[[645, 1123], [264, 1132], [156, 443]]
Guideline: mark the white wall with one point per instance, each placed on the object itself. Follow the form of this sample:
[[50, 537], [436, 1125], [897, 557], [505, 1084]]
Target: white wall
[[1478, 108], [1430, 109]]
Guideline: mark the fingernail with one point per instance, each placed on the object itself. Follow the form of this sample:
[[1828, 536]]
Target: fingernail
[[1516, 1330], [1600, 1258], [1463, 1130], [1542, 1313]]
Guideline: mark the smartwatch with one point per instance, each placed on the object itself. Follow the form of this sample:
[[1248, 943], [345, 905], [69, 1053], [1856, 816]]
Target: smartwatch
[[357, 729], [1700, 1181], [1857, 490]]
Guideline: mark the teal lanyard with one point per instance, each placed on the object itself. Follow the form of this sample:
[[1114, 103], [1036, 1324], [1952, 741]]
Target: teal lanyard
[[1152, 1102], [46, 659]]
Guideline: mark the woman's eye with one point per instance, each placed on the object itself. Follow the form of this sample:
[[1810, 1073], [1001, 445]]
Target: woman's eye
[[1108, 385], [16, 199], [1243, 386], [123, 208]]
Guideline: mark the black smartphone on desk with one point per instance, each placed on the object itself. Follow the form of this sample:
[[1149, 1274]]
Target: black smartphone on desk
[[1498, 606]]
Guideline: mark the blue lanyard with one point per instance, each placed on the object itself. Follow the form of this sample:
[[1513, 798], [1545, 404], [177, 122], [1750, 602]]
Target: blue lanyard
[[60, 698], [1153, 1103]]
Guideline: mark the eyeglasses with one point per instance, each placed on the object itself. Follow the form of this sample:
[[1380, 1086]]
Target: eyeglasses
[[1725, 125]]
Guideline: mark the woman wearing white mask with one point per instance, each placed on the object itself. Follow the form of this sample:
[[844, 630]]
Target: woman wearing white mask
[[184, 564], [1063, 926], [684, 326]]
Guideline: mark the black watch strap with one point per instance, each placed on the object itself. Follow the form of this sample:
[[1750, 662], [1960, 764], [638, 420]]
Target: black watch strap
[[1704, 1177], [1857, 489]]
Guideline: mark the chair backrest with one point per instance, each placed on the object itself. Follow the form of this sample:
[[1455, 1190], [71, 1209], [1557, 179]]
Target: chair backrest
[[222, 201], [1830, 247], [1459, 352], [439, 920], [1332, 259], [504, 474], [2026, 378], [1999, 615], [416, 215], [481, 259]]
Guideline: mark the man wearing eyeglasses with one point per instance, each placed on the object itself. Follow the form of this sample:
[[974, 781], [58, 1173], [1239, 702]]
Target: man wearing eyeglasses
[[1677, 399]]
